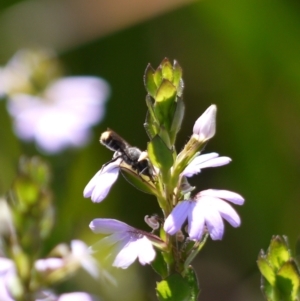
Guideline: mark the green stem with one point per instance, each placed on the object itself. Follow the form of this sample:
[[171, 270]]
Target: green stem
[[194, 253]]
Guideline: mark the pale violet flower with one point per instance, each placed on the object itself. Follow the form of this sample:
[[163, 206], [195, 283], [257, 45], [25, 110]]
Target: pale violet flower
[[62, 116], [204, 161], [49, 264], [82, 254], [78, 296], [99, 186], [205, 211], [7, 278], [79, 255], [75, 296], [205, 126], [9, 282], [28, 71], [127, 242]]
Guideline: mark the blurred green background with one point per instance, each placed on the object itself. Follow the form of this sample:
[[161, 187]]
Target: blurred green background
[[243, 56]]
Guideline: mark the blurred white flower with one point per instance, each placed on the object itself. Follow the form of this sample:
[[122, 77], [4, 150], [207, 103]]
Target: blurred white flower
[[62, 117], [10, 283], [79, 255], [7, 275], [76, 296], [56, 112], [29, 71]]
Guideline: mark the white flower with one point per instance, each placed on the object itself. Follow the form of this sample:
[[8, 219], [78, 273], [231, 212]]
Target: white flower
[[206, 210], [129, 243], [204, 161], [9, 282], [76, 296], [99, 186], [20, 73], [63, 115], [205, 125], [80, 255], [7, 278], [49, 264]]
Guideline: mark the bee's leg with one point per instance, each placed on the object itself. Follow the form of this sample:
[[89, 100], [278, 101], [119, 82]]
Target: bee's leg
[[146, 172]]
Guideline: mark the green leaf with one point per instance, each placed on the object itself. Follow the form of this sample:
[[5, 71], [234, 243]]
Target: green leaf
[[159, 265], [173, 288], [278, 263], [165, 92], [164, 104], [160, 155], [139, 181], [278, 252], [177, 120], [177, 74], [167, 70], [149, 81], [151, 125], [265, 269], [192, 279], [287, 281], [269, 291], [157, 76]]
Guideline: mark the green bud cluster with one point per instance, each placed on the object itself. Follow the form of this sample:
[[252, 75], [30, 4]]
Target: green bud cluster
[[280, 271]]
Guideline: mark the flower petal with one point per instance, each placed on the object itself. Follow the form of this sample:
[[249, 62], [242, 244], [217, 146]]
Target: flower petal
[[146, 251], [177, 217], [223, 194], [81, 252], [108, 226], [48, 264], [204, 161], [99, 186], [196, 222], [111, 240], [215, 162], [215, 225], [6, 265], [127, 255], [77, 296], [82, 95], [228, 213], [127, 243], [213, 220], [137, 247]]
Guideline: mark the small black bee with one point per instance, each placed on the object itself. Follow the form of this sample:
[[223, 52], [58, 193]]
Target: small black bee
[[131, 155]]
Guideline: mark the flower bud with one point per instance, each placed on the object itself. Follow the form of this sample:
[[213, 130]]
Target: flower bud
[[204, 129], [205, 126]]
